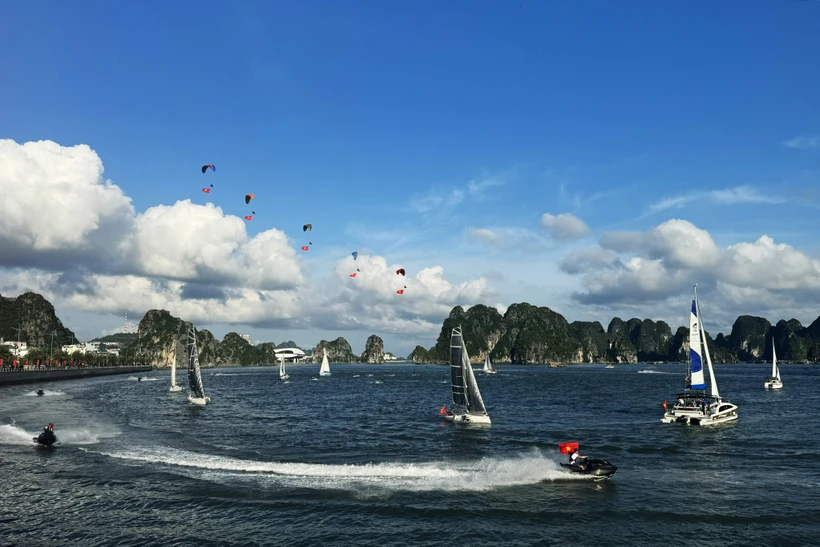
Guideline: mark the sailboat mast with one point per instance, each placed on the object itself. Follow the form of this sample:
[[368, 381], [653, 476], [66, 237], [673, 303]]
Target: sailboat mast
[[712, 379]]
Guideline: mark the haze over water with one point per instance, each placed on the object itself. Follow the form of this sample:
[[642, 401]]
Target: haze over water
[[361, 458]]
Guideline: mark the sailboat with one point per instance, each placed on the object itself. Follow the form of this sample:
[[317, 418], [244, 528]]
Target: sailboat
[[468, 406], [488, 367], [325, 370], [283, 374], [774, 381], [696, 406], [197, 394], [174, 386]]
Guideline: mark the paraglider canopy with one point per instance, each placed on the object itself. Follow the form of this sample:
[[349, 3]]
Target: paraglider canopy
[[205, 168], [355, 254], [248, 198], [307, 227], [400, 271]]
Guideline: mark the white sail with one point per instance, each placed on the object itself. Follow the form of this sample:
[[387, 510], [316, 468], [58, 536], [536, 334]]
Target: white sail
[[463, 382], [174, 387], [325, 370], [695, 360], [775, 368], [283, 373], [714, 391], [475, 404], [487, 366]]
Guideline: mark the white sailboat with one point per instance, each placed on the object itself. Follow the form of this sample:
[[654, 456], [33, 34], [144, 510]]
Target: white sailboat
[[197, 394], [468, 406], [283, 373], [774, 381], [696, 406], [174, 387], [488, 367], [325, 370]]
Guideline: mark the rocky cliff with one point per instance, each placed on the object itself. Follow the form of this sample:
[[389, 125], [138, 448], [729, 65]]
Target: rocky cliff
[[338, 351], [35, 317], [530, 334], [373, 350]]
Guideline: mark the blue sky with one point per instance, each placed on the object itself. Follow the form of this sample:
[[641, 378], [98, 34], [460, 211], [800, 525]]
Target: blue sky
[[371, 120]]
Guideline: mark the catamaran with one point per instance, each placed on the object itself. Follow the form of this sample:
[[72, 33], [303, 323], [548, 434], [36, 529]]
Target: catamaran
[[197, 394], [696, 406], [325, 370], [774, 381], [468, 406], [488, 367], [283, 374], [174, 386]]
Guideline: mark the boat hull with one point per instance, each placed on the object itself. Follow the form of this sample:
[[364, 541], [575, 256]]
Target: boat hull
[[324, 374], [773, 385], [597, 469], [199, 401], [175, 388], [479, 419], [490, 371], [689, 417]]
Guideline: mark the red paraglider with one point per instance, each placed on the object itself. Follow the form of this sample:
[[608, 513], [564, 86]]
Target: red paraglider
[[305, 247], [353, 274], [248, 217], [400, 271], [206, 190], [205, 168], [400, 291]]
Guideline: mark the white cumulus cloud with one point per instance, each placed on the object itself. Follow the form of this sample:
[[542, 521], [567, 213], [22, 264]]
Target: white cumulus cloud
[[564, 226]]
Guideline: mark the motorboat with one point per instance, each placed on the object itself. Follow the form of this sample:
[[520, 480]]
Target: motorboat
[[47, 438]]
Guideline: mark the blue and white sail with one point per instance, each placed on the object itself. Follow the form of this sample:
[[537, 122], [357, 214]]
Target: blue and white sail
[[695, 359]]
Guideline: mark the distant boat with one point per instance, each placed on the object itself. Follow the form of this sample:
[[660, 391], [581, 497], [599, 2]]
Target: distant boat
[[468, 406], [197, 394], [488, 367], [696, 406], [283, 374], [610, 366], [774, 381], [325, 370], [174, 386]]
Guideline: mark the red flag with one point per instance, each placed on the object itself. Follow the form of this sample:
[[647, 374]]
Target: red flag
[[566, 448], [443, 410], [400, 291], [206, 190], [305, 247], [248, 217]]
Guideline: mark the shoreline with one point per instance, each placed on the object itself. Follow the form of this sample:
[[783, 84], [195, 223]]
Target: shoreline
[[37, 376]]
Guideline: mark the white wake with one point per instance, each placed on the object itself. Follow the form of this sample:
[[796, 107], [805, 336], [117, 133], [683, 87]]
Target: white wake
[[478, 475]]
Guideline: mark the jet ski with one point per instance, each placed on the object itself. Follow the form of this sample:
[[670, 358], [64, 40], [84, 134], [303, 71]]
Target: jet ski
[[600, 469], [47, 437], [40, 392]]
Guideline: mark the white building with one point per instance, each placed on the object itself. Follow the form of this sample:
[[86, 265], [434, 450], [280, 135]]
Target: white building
[[18, 349], [290, 354], [74, 348], [390, 357]]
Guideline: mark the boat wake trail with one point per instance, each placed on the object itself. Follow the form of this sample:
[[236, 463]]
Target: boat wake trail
[[134, 379], [478, 475], [11, 434], [46, 393]]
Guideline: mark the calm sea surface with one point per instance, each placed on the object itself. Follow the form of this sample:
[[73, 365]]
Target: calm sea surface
[[361, 458]]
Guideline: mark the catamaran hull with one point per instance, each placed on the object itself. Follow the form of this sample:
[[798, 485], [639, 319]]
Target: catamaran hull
[[729, 415], [773, 385], [198, 400], [324, 374], [467, 419], [490, 371]]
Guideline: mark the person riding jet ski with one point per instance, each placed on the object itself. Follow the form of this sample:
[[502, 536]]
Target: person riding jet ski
[[599, 469], [40, 392], [47, 437]]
